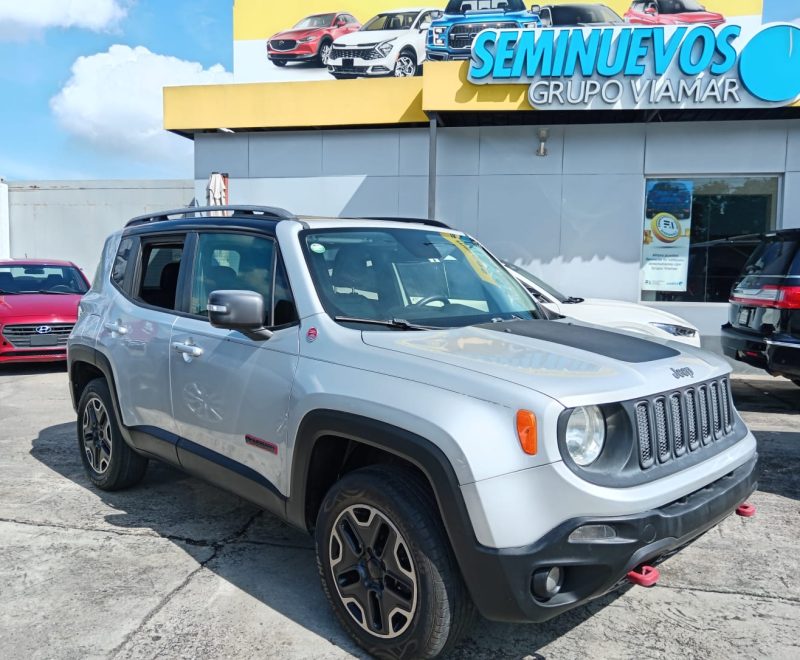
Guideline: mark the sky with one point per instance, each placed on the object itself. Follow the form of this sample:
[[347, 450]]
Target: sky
[[82, 79]]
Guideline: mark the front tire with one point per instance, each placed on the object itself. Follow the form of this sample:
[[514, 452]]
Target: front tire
[[324, 53], [406, 65], [386, 565], [280, 63], [108, 461]]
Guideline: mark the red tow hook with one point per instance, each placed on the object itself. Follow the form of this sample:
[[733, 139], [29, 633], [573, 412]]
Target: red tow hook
[[746, 510], [644, 576]]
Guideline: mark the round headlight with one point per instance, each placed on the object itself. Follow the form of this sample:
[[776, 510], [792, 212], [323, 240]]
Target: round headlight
[[586, 434]]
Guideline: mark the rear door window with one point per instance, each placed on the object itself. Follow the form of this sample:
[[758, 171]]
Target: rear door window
[[160, 270]]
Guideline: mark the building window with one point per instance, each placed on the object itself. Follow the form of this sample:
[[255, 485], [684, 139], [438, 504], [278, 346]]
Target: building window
[[684, 217]]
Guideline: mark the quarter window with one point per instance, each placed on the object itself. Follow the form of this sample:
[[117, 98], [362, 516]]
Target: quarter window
[[121, 261]]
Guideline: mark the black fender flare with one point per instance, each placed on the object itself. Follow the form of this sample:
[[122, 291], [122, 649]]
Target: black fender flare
[[415, 449]]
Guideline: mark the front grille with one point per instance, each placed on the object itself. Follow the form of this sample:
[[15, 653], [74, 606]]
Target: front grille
[[462, 36], [672, 425], [353, 53], [283, 44], [26, 336]]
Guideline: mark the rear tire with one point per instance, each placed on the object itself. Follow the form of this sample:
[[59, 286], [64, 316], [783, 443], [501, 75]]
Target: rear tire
[[109, 462], [386, 565]]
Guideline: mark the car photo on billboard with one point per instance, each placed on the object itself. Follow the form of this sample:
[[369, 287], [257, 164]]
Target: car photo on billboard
[[451, 36], [672, 197], [310, 40], [389, 44], [578, 15], [671, 12]]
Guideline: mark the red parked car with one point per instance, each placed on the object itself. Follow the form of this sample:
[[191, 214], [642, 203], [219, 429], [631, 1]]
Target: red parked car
[[38, 307], [671, 12], [311, 39]]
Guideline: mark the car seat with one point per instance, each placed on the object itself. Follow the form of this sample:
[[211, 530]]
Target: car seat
[[7, 283], [352, 273], [169, 285]]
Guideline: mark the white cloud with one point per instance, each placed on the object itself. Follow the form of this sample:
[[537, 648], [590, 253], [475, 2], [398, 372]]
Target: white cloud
[[113, 101], [22, 19]]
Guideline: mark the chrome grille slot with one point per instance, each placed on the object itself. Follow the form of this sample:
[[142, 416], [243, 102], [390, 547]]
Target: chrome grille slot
[[716, 414], [702, 404], [646, 454], [662, 432], [727, 413], [679, 440], [691, 420]]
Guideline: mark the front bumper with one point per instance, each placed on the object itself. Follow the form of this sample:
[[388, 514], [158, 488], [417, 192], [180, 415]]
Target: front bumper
[[445, 56], [289, 56], [778, 355], [361, 67], [500, 580]]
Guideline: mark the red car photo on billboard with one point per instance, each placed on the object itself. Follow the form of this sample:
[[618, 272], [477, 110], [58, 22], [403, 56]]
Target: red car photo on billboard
[[671, 12], [311, 39]]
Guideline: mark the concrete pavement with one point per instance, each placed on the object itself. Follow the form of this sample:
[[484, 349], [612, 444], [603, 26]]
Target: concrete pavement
[[174, 568]]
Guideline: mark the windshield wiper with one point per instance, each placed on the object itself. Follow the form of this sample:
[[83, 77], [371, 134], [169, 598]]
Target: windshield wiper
[[574, 301], [400, 324], [44, 292]]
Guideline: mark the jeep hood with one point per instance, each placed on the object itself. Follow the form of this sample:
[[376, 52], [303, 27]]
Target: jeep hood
[[572, 362]]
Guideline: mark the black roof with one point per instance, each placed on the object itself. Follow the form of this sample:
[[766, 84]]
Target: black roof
[[195, 212]]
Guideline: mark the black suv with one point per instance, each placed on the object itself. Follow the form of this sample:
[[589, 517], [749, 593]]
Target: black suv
[[764, 325]]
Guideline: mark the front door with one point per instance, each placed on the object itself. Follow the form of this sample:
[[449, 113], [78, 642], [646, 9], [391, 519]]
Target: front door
[[230, 394]]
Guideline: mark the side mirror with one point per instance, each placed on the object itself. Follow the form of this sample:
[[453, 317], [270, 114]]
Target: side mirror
[[535, 9], [239, 310], [339, 23]]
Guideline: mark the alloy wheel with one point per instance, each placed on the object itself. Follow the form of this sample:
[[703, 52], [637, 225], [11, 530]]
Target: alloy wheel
[[373, 570], [405, 67], [96, 434], [325, 53]]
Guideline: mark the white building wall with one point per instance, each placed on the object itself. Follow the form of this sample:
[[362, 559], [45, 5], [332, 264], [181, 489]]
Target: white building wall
[[71, 219]]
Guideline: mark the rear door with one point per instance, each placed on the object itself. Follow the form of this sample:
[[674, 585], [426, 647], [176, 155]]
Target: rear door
[[768, 292], [230, 394], [135, 331]]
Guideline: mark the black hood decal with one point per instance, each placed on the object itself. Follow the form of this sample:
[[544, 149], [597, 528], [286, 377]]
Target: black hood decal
[[609, 344]]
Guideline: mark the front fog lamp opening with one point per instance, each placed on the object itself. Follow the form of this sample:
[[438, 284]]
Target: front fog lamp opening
[[585, 435], [547, 582], [593, 534]]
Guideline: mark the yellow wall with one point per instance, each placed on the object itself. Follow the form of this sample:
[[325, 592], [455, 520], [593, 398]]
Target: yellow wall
[[260, 19]]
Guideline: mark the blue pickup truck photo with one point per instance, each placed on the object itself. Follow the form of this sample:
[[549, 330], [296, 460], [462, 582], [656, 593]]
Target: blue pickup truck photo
[[450, 37]]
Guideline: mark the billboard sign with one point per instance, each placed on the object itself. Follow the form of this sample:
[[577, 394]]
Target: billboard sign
[[637, 67]]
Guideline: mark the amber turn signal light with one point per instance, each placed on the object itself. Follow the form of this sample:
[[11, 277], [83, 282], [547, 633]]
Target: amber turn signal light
[[526, 431]]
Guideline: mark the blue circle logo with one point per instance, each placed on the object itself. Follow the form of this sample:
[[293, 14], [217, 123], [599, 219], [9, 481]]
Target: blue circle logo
[[770, 64]]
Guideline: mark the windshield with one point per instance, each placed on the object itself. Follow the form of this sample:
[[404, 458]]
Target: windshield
[[560, 297], [403, 20], [318, 21], [429, 278], [584, 14], [41, 279], [679, 6], [463, 6]]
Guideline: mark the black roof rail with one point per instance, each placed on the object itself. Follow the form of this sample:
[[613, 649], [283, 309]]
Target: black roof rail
[[417, 221], [265, 212]]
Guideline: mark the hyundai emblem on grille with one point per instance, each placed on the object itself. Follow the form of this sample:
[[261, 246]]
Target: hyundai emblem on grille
[[44, 330]]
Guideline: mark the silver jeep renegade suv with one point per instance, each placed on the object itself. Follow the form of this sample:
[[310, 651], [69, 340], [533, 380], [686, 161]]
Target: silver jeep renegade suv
[[389, 387]]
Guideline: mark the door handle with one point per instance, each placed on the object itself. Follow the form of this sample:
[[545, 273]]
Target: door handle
[[187, 349], [116, 328]]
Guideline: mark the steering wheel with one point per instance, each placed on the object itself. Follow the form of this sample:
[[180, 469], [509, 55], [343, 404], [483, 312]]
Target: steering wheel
[[430, 299]]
